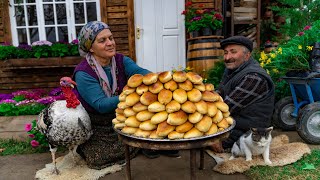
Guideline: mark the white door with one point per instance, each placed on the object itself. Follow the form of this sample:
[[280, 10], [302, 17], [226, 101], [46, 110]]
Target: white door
[[161, 43]]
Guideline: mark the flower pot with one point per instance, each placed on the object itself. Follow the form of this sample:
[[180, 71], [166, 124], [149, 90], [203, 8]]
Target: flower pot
[[206, 31], [194, 34], [217, 32]]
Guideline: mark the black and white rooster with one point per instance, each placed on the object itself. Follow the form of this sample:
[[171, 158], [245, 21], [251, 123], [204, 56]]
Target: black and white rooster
[[65, 122]]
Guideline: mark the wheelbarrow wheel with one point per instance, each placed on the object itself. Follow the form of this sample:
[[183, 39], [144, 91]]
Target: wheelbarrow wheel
[[282, 117], [308, 124]]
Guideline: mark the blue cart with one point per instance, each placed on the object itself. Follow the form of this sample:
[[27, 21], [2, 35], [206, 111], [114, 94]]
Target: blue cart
[[302, 110]]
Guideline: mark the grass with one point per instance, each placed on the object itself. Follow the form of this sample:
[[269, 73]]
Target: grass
[[307, 168], [12, 146]]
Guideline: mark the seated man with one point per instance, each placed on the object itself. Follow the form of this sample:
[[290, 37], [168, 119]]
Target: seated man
[[246, 88]]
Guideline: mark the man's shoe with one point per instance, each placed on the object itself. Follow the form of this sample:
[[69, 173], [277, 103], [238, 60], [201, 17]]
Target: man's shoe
[[151, 154], [170, 153]]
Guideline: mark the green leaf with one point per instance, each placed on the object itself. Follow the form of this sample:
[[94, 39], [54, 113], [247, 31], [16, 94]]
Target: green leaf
[[308, 166]]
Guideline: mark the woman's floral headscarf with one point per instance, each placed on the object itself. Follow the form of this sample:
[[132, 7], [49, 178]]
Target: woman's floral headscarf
[[88, 34], [86, 38]]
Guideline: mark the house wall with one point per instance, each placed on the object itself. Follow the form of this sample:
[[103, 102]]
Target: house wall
[[118, 14]]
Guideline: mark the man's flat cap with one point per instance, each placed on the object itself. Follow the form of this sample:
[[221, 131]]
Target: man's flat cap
[[241, 40]]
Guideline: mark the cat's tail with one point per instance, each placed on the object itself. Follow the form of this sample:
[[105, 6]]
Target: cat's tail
[[215, 156]]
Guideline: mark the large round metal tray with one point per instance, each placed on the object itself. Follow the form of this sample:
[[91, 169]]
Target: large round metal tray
[[177, 140]]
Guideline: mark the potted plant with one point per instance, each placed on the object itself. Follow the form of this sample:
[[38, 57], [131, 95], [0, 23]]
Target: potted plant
[[206, 20]]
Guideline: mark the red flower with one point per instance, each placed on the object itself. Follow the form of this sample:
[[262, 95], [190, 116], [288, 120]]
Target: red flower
[[301, 33], [27, 127], [34, 143], [201, 5], [218, 16], [184, 12], [307, 28], [188, 3], [31, 135]]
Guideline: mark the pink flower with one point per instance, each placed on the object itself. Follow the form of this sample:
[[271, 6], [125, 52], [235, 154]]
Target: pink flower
[[34, 143], [307, 28], [27, 127], [301, 33], [31, 135]]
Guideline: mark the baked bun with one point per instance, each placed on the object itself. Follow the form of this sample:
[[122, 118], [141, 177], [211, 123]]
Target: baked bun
[[115, 121], [188, 107], [164, 96], [194, 95], [129, 130], [139, 107], [142, 133], [154, 135], [173, 106], [177, 118], [184, 127], [195, 117], [226, 114], [148, 98], [212, 130], [156, 87], [119, 111], [129, 112], [200, 87], [179, 76], [150, 78], [122, 97], [132, 121], [222, 106], [164, 129], [132, 99], [175, 135], [212, 109], [229, 120], [186, 85], [194, 77], [165, 76], [135, 80], [142, 89], [202, 107], [204, 124], [121, 118], [144, 115], [209, 87], [156, 107], [119, 126], [147, 126], [218, 117], [223, 124], [159, 117], [193, 133], [180, 96], [210, 96], [128, 90], [171, 85], [122, 105]]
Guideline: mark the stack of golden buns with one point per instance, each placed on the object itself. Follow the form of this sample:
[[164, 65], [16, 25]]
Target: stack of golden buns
[[171, 105]]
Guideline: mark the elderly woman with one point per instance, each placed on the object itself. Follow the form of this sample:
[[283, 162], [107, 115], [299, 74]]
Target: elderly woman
[[100, 78]]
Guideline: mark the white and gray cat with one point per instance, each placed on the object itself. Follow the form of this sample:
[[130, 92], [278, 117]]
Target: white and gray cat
[[254, 142]]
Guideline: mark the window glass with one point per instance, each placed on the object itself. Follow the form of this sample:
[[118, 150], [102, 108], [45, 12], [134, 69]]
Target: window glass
[[32, 15], [22, 36], [19, 15], [51, 34], [48, 14], [63, 34], [34, 34], [31, 1], [91, 9], [79, 13], [61, 14]]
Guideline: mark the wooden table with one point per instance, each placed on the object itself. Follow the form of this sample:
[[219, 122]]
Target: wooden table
[[193, 145]]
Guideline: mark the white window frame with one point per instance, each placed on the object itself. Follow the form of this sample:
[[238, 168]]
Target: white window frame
[[41, 22]]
